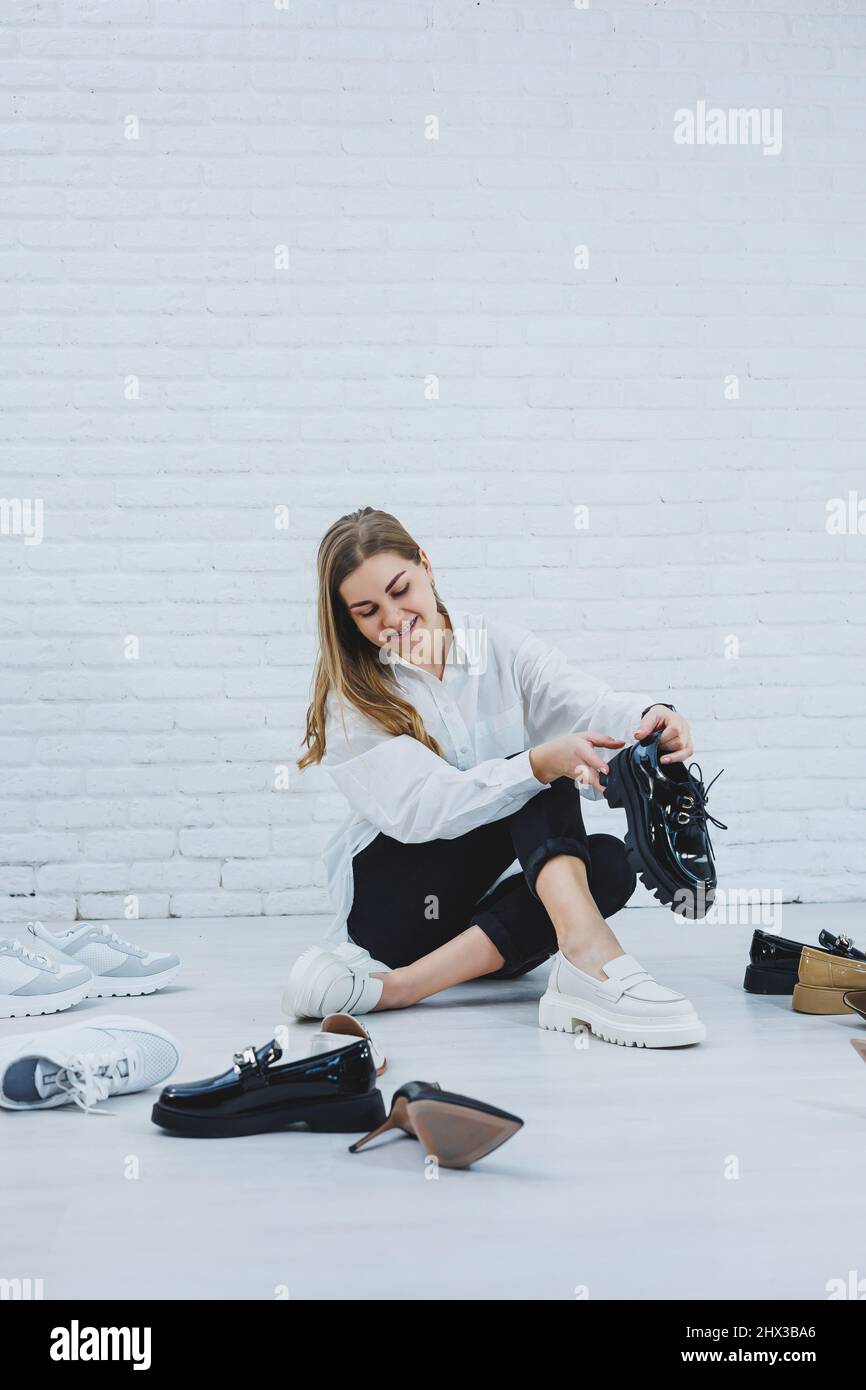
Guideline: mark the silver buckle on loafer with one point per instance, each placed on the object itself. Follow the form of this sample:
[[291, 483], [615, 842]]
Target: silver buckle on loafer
[[245, 1059]]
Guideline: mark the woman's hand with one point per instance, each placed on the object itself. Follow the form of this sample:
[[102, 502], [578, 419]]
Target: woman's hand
[[572, 755], [677, 737]]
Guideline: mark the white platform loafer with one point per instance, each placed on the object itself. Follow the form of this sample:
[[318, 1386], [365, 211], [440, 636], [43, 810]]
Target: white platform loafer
[[326, 982], [629, 1007], [358, 956]]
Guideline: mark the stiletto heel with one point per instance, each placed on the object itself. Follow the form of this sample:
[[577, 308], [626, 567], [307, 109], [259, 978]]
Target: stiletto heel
[[399, 1116], [454, 1129], [392, 1122]]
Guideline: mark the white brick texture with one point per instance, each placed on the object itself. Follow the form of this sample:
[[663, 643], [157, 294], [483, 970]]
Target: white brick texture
[[448, 258]]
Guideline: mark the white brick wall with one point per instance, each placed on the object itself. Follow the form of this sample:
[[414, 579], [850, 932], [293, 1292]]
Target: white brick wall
[[150, 262]]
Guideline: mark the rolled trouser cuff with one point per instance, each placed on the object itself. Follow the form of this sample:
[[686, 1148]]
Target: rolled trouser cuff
[[557, 844]]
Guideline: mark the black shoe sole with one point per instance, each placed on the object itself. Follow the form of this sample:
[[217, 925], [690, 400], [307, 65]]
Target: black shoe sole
[[762, 981], [622, 791], [325, 1117]]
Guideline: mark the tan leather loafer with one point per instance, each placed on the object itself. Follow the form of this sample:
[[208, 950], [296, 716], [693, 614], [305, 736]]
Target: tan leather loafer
[[823, 980]]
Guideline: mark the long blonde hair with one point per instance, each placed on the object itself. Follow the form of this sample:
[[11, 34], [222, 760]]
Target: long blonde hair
[[348, 663]]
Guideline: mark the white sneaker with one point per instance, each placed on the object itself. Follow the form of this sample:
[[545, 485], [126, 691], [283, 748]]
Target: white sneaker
[[629, 1007], [118, 967], [84, 1063], [33, 983], [326, 982]]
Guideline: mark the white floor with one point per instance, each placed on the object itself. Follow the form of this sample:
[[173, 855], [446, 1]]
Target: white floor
[[616, 1184]]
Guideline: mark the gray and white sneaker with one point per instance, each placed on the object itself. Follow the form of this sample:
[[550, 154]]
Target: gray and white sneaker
[[118, 966], [84, 1064], [33, 983]]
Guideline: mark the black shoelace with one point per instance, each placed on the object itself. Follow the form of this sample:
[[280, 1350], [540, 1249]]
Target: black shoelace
[[690, 804]]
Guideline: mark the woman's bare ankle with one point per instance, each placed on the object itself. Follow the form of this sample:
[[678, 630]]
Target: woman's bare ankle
[[591, 954], [396, 993]]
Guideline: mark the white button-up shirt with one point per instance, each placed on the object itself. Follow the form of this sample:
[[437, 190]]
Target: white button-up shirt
[[503, 690]]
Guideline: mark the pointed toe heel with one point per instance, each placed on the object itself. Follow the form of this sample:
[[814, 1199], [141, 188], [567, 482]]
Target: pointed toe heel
[[457, 1136], [453, 1129]]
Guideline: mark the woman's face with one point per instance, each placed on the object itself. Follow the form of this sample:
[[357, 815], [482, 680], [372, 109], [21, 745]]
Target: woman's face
[[391, 601]]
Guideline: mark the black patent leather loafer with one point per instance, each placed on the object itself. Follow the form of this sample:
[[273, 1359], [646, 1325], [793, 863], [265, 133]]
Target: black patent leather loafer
[[668, 843], [334, 1092], [774, 961]]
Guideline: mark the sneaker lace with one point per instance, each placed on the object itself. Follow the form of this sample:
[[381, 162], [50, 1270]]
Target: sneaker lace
[[21, 950], [109, 935], [89, 1077]]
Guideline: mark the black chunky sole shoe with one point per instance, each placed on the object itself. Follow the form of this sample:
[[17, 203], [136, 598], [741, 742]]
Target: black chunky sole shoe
[[774, 961], [667, 843], [760, 981], [330, 1092]]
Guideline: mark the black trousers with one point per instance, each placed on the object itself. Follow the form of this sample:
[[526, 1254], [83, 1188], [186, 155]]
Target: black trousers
[[409, 899]]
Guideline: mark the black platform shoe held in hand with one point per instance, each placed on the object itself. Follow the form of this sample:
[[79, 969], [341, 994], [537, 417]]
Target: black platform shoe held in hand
[[453, 1129], [334, 1092], [668, 843]]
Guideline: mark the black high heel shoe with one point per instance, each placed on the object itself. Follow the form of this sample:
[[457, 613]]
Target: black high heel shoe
[[453, 1129]]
